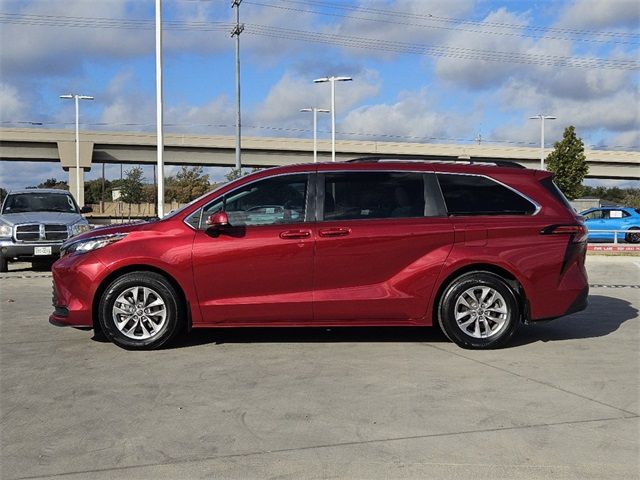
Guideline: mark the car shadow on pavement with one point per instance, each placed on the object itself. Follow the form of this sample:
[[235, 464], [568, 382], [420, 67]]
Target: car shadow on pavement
[[308, 335], [603, 316]]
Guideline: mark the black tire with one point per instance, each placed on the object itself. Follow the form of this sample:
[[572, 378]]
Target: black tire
[[131, 333], [4, 264], [492, 322], [633, 235]]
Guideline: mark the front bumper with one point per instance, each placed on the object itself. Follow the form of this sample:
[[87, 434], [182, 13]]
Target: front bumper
[[26, 251], [75, 280]]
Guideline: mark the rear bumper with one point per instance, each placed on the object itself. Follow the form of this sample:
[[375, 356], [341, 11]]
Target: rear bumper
[[580, 303]]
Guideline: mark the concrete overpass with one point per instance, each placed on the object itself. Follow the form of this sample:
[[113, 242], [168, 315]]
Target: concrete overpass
[[44, 145]]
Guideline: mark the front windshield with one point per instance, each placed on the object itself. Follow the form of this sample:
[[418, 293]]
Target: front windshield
[[39, 202]]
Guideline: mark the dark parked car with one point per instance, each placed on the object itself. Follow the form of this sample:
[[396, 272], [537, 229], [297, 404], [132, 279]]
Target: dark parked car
[[478, 249], [625, 219], [35, 221]]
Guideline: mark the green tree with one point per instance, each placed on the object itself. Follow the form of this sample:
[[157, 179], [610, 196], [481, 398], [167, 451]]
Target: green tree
[[631, 198], [93, 191], [233, 174], [131, 189], [569, 163], [187, 184], [53, 183]]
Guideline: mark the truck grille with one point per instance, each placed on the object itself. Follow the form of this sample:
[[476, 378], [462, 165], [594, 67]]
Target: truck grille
[[41, 233]]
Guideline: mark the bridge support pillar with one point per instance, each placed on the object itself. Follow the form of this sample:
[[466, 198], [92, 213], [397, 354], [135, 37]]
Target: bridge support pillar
[[67, 154]]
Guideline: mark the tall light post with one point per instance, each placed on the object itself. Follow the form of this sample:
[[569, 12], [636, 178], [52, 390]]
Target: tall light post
[[315, 128], [332, 81], [159, 121], [542, 119], [77, 98]]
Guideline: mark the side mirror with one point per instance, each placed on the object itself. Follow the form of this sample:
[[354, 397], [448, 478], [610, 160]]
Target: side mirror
[[218, 220], [86, 209]]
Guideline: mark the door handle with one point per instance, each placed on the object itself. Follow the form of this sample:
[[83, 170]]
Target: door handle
[[334, 232], [293, 234]]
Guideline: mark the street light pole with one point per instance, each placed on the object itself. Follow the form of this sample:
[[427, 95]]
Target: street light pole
[[315, 128], [332, 80], [77, 99], [542, 119], [159, 112]]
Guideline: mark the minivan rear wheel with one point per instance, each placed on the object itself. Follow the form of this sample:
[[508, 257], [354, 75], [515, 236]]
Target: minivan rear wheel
[[479, 310], [140, 311]]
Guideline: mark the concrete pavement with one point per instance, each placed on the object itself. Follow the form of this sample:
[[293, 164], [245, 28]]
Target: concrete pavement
[[561, 402]]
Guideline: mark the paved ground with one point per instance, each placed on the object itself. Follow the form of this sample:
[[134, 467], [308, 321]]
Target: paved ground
[[562, 402]]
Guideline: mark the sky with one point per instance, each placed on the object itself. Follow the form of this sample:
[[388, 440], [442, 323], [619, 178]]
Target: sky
[[445, 71]]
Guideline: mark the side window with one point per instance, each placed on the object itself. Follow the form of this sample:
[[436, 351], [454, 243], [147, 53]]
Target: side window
[[277, 200], [595, 215], [477, 195], [617, 214], [355, 195]]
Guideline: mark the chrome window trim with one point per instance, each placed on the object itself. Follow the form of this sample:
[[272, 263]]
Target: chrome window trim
[[537, 206], [529, 199]]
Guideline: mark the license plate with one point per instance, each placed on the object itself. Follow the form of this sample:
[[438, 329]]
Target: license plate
[[42, 250]]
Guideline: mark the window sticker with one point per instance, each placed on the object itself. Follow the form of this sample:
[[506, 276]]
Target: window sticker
[[615, 214]]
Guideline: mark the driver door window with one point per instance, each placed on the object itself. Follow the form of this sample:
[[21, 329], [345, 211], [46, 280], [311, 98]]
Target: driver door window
[[273, 201]]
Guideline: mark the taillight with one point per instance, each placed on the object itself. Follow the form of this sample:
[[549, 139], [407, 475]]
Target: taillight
[[577, 245], [578, 231]]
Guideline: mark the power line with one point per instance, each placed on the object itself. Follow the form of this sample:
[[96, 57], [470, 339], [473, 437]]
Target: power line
[[334, 39], [436, 18], [442, 51], [483, 31]]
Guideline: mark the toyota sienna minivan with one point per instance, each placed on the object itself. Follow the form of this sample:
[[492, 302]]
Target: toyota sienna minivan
[[477, 248]]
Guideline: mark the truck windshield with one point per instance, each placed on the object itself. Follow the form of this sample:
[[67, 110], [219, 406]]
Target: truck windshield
[[39, 202]]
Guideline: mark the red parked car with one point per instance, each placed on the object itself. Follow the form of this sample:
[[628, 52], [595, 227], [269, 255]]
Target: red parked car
[[478, 248]]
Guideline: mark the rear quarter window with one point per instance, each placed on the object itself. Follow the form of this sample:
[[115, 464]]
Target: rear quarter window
[[553, 189], [478, 195]]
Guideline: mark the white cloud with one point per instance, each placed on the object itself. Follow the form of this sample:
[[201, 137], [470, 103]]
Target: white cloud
[[291, 93], [60, 49], [601, 14], [12, 105], [415, 115]]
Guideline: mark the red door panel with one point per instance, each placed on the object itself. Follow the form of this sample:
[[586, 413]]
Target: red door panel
[[255, 275], [378, 269]]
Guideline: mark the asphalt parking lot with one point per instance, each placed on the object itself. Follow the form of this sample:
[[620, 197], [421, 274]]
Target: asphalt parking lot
[[561, 402]]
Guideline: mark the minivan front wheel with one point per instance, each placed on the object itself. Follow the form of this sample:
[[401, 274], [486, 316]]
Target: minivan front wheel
[[479, 310], [140, 311]]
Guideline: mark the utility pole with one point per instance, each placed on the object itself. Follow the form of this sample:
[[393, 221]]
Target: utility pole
[[235, 32], [542, 119], [315, 128]]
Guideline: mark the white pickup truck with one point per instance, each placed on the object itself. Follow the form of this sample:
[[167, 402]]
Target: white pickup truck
[[34, 222]]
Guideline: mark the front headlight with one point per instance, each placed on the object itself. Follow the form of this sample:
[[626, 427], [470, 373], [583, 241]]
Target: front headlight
[[5, 231], [89, 244], [79, 228]]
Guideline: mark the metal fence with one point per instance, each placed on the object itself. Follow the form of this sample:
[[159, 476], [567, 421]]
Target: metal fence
[[623, 233]]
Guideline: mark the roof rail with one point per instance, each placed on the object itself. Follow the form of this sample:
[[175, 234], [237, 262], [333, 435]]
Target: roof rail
[[427, 159]]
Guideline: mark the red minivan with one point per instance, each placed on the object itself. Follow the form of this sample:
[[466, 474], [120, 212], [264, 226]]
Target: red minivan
[[477, 247]]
